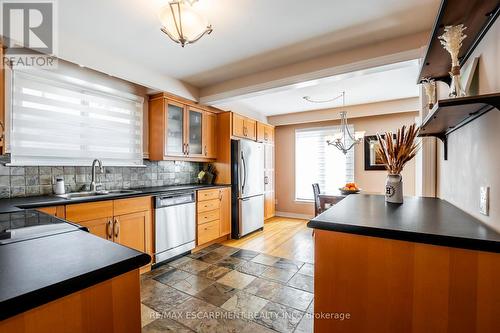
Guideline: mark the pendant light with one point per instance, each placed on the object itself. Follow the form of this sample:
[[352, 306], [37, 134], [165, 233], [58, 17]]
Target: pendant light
[[182, 23]]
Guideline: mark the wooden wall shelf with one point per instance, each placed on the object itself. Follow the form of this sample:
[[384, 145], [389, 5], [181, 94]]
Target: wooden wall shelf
[[477, 15], [448, 115]]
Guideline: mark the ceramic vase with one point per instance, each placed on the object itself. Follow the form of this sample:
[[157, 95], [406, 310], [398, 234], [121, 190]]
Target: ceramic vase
[[394, 189]]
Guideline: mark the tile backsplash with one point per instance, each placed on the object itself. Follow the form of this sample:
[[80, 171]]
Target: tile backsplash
[[37, 180]]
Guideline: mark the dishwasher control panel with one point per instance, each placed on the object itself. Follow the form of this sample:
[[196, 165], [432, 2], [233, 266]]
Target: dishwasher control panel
[[174, 199]]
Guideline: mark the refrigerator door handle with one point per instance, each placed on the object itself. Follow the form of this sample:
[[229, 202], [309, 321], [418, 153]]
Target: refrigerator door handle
[[244, 172]]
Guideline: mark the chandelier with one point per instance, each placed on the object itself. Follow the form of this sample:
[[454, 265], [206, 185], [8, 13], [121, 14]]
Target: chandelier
[[182, 23], [343, 140]]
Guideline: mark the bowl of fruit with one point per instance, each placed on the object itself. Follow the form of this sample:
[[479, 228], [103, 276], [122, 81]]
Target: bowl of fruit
[[350, 188]]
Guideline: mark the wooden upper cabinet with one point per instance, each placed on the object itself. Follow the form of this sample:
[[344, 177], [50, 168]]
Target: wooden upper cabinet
[[265, 133], [244, 127], [209, 135], [177, 131]]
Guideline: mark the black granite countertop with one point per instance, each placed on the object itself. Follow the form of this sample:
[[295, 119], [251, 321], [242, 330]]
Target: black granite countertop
[[422, 220], [18, 204], [40, 270]]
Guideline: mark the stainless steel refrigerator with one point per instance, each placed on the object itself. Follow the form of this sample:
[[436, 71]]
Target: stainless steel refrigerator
[[247, 174]]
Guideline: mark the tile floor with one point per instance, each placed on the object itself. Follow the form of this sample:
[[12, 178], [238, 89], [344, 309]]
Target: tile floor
[[227, 289]]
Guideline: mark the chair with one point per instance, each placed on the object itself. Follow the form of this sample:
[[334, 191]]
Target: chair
[[317, 204]]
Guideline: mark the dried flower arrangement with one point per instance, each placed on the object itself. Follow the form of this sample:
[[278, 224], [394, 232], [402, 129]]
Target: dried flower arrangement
[[430, 90], [395, 154], [452, 41]]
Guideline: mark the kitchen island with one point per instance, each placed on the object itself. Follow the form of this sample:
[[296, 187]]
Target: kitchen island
[[423, 266], [64, 279]]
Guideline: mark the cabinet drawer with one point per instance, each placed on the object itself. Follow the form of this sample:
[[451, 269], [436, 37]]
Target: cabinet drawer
[[205, 206], [208, 232], [208, 195], [89, 211], [208, 216], [132, 205]]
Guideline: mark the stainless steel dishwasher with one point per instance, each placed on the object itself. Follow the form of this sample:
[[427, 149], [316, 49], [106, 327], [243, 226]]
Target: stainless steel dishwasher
[[175, 224]]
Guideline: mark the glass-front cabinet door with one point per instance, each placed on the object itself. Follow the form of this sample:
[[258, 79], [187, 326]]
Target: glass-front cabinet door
[[174, 140], [195, 126]]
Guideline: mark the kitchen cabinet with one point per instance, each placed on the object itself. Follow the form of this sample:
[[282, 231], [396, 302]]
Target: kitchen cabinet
[[58, 211], [209, 135], [124, 221], [265, 133], [180, 131], [244, 127], [213, 214]]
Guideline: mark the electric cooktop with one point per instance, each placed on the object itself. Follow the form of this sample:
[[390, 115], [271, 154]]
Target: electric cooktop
[[30, 224]]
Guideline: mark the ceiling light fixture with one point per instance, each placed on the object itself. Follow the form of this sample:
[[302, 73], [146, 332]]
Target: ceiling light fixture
[[344, 140], [182, 23]]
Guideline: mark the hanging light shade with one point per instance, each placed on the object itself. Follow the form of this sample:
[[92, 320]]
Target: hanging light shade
[[182, 23]]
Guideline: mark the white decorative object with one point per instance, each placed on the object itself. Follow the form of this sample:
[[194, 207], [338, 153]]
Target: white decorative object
[[59, 188], [451, 40], [430, 91], [394, 188]]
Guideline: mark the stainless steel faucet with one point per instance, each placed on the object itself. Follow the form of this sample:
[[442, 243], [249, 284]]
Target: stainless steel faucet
[[93, 185]]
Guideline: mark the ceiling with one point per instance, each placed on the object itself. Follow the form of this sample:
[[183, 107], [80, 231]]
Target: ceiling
[[249, 35], [390, 82]]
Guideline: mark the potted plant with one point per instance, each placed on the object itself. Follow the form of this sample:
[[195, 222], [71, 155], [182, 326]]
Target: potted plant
[[395, 153]]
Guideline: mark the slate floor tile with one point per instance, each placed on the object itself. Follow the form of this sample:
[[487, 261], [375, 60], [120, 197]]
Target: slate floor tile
[[225, 250], [211, 257], [278, 274], [194, 266], [279, 318], [179, 262], [245, 254], [213, 272], [265, 259], [291, 265], [252, 268], [236, 279], [307, 269], [302, 282], [263, 288], [148, 315], [172, 276], [292, 297], [230, 262], [165, 325], [164, 299], [216, 294], [193, 284], [306, 324], [245, 303]]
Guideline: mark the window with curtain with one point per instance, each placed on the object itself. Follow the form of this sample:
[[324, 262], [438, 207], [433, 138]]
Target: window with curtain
[[58, 120], [317, 162]]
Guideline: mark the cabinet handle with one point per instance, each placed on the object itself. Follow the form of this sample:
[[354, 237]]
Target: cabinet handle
[[206, 151], [116, 228], [220, 195], [109, 233], [244, 131], [187, 148], [266, 180]]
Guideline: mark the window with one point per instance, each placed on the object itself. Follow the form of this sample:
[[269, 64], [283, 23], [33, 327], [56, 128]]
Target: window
[[58, 120], [316, 162]]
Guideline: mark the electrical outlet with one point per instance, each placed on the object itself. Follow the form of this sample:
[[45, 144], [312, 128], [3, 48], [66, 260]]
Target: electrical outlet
[[484, 202]]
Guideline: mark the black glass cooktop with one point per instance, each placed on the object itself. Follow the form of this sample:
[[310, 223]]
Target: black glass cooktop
[[29, 224]]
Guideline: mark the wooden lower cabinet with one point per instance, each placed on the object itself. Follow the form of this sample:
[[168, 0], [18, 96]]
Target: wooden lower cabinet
[[130, 230], [128, 222], [269, 205], [391, 286], [100, 227], [112, 306], [57, 211], [213, 214]]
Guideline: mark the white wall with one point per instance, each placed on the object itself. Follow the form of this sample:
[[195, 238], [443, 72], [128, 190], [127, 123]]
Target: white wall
[[474, 150]]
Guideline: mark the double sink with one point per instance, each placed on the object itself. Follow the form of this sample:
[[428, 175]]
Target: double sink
[[94, 194]]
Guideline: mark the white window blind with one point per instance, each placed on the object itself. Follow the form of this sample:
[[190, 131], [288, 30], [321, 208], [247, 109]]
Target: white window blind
[[316, 162], [58, 120]]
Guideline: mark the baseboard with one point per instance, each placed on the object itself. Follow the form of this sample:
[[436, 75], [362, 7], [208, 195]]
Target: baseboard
[[294, 215]]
